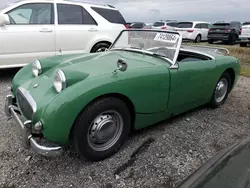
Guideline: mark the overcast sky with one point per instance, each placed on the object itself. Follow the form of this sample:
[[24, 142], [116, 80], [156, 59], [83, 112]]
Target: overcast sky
[[152, 10]]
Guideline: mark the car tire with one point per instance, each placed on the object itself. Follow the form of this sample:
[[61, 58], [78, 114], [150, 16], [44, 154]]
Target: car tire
[[210, 41], [243, 44], [232, 39], [109, 116], [220, 93], [100, 47], [198, 39]]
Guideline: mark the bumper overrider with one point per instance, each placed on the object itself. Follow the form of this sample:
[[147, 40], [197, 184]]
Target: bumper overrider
[[24, 128]]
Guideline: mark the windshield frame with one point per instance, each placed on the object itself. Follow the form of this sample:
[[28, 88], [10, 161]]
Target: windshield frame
[[172, 62]]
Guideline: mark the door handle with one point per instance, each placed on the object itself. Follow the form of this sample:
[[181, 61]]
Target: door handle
[[45, 30], [93, 29]]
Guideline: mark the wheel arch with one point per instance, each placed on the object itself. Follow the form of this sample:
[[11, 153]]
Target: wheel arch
[[120, 96], [103, 41], [231, 72]]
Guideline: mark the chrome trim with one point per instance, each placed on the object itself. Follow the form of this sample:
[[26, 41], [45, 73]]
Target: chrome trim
[[26, 94], [24, 128]]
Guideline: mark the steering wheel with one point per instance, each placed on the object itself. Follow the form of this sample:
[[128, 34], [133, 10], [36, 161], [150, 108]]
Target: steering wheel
[[12, 21], [164, 50]]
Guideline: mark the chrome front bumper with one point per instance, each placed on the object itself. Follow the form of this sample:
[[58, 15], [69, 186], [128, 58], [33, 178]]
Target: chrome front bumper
[[24, 129]]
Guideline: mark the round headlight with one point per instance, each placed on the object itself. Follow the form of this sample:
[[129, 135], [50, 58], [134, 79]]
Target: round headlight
[[36, 68], [59, 81]]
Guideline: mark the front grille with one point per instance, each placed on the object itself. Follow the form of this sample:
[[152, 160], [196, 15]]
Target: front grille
[[25, 106]]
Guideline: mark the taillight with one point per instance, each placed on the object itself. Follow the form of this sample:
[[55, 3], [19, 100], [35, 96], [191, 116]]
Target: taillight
[[190, 31], [126, 26], [240, 31], [164, 27]]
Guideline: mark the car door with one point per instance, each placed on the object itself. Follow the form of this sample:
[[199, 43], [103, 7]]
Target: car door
[[75, 29], [204, 28], [30, 34], [197, 31], [191, 84]]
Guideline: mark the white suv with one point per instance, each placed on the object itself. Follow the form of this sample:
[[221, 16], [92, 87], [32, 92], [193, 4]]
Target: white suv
[[244, 37], [195, 31], [31, 29]]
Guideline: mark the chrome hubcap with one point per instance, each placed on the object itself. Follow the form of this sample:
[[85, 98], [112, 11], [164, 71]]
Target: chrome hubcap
[[221, 90], [102, 49], [105, 130]]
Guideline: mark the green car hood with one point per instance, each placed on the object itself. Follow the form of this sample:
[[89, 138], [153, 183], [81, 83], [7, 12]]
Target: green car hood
[[97, 64]]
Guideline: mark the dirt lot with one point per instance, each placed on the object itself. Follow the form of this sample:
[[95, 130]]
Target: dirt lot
[[173, 149]]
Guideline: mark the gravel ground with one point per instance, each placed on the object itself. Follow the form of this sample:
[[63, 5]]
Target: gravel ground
[[170, 151]]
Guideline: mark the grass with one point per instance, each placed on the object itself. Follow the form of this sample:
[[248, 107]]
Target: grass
[[242, 53]]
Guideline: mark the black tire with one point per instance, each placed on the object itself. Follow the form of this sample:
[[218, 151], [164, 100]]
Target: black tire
[[81, 137], [232, 39], [210, 41], [242, 44], [198, 39], [100, 46], [213, 102]]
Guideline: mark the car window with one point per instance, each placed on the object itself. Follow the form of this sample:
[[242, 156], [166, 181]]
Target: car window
[[74, 14], [197, 26], [246, 23], [204, 26], [185, 25], [32, 13], [158, 24], [111, 15], [173, 24]]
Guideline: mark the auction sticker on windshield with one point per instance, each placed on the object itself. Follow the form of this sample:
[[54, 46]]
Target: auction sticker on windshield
[[166, 37]]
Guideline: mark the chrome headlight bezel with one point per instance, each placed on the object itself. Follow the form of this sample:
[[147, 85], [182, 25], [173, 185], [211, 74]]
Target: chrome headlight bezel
[[59, 81], [36, 68]]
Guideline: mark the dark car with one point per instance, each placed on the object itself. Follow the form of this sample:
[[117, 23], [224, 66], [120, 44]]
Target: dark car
[[230, 168], [226, 32]]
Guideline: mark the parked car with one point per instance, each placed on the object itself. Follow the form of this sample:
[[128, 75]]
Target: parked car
[[92, 101], [167, 24], [195, 31], [228, 168], [137, 25], [244, 38], [31, 29], [226, 32]]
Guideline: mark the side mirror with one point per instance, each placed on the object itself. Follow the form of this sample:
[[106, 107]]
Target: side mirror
[[4, 19], [121, 66]]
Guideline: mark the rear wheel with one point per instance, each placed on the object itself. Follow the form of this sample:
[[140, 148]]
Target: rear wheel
[[221, 90], [101, 129], [210, 41], [242, 44], [100, 47], [198, 39], [232, 39]]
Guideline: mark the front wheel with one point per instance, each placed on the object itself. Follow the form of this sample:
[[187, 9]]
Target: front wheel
[[101, 129], [221, 91]]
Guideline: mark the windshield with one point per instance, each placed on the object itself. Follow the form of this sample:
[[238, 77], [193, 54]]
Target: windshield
[[161, 43], [158, 24], [221, 25], [185, 25]]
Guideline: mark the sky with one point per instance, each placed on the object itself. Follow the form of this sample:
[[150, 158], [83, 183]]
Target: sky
[[185, 10]]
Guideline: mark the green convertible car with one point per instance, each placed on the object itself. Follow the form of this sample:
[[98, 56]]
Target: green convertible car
[[92, 101]]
